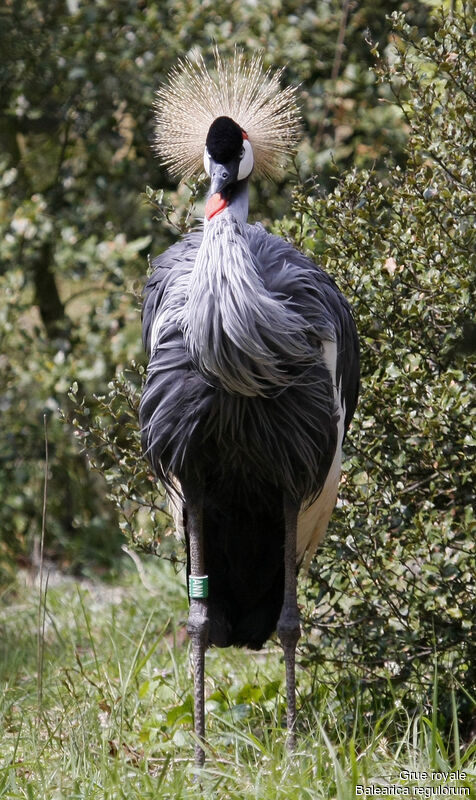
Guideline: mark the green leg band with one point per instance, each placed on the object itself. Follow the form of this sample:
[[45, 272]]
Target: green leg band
[[198, 587]]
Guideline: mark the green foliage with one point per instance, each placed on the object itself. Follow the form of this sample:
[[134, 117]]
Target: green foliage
[[396, 575], [36, 375], [114, 720], [108, 430], [77, 82]]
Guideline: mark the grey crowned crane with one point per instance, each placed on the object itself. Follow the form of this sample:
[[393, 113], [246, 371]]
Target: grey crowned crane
[[253, 372]]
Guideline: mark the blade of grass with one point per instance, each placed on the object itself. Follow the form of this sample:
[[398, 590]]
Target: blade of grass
[[338, 771], [90, 635], [138, 664], [42, 597], [434, 715], [456, 743]]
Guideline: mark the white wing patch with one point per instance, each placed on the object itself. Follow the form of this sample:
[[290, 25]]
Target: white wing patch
[[176, 508], [156, 326], [313, 520]]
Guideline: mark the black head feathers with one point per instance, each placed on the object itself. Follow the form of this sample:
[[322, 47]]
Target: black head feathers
[[224, 140]]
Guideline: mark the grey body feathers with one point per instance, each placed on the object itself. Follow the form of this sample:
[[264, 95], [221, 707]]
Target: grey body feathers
[[239, 398]]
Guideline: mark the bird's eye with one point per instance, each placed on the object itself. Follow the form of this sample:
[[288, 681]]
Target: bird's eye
[[242, 153]]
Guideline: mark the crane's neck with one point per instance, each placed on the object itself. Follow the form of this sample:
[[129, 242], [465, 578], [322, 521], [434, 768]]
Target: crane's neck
[[238, 204], [237, 332]]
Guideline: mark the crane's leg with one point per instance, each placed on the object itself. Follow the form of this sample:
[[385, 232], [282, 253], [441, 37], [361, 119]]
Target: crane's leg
[[197, 625], [289, 629]]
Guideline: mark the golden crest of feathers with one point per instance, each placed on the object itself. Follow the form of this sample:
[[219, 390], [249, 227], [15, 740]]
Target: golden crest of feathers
[[240, 89]]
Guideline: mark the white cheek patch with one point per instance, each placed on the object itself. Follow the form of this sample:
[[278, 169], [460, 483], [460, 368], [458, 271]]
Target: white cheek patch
[[247, 161], [206, 161]]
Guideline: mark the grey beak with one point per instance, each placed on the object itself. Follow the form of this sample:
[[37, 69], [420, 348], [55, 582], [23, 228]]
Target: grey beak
[[221, 175]]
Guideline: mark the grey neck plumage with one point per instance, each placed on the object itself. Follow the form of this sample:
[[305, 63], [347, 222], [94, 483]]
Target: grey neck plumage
[[239, 202], [236, 331]]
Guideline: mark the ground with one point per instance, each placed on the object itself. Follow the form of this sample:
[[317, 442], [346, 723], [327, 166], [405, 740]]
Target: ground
[[96, 703]]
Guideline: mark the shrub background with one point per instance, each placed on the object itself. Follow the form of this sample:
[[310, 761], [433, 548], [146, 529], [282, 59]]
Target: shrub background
[[389, 121]]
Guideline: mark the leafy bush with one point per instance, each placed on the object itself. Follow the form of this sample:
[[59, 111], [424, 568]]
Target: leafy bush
[[77, 82], [395, 579], [392, 589]]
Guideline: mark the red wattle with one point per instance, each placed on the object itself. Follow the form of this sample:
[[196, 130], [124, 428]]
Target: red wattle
[[215, 204]]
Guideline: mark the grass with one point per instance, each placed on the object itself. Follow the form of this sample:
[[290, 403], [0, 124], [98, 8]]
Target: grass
[[110, 716]]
